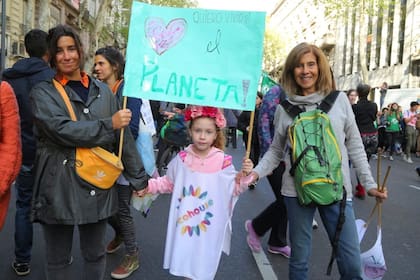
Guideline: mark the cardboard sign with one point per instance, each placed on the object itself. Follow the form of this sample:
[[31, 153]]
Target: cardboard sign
[[194, 56]]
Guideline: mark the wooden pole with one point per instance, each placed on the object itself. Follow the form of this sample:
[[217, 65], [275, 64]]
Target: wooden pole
[[250, 132], [122, 131]]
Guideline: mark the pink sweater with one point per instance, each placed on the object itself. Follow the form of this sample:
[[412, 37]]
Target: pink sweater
[[215, 160]]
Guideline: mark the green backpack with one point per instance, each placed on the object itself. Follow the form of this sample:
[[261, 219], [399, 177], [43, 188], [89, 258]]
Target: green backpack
[[315, 155], [316, 161]]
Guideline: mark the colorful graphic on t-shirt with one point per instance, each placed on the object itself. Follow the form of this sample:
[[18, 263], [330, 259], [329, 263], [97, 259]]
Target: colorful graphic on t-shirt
[[198, 217]]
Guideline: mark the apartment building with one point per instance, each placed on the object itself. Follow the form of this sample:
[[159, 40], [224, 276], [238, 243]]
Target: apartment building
[[388, 42], [23, 15]]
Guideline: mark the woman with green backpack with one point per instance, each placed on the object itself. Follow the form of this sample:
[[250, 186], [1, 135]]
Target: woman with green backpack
[[308, 80]]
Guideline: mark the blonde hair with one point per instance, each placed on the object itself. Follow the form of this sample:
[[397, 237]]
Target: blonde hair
[[325, 83], [220, 140]]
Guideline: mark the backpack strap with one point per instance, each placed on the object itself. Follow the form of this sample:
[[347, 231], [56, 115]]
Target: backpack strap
[[328, 101], [292, 110], [340, 223]]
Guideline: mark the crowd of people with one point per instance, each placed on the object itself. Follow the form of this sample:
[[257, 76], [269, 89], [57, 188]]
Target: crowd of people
[[49, 191], [387, 132]]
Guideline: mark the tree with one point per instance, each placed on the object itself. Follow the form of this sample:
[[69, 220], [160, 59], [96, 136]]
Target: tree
[[342, 10], [274, 53]]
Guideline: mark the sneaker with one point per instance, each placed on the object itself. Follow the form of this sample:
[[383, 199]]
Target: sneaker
[[418, 171], [391, 158], [374, 156], [360, 192], [314, 224], [129, 264], [252, 238], [253, 185], [284, 251], [114, 245], [409, 160], [21, 269]]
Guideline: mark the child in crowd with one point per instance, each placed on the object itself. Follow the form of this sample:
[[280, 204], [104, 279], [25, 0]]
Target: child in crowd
[[202, 180]]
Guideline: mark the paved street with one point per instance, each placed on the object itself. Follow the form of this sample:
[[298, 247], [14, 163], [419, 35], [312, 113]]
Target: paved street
[[401, 227]]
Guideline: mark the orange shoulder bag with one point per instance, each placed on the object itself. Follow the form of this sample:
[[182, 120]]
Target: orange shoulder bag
[[95, 165]]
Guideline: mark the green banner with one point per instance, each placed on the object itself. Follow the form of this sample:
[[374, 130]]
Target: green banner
[[266, 83], [194, 56]]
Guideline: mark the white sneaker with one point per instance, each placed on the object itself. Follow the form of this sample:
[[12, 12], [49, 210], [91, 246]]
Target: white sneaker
[[314, 224], [391, 158], [374, 156], [407, 159]]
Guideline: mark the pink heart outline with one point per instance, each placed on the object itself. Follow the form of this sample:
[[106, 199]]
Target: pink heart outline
[[161, 37]]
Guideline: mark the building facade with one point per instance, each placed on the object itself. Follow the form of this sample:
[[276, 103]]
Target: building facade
[[24, 15], [384, 47]]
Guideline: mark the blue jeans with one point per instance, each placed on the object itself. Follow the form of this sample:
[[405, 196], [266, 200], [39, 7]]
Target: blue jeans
[[300, 231], [23, 225]]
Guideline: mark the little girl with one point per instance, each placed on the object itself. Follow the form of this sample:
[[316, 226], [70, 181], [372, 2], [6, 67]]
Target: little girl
[[202, 180]]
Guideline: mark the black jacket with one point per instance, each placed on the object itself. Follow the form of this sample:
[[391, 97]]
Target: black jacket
[[23, 75], [60, 196], [365, 112]]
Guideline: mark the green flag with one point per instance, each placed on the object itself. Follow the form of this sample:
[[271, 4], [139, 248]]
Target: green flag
[[266, 83]]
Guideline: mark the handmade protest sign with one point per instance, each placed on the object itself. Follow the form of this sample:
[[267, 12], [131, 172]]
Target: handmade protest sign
[[194, 56]]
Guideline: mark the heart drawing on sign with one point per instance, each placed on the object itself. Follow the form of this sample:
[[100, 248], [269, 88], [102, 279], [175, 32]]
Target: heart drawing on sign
[[163, 37]]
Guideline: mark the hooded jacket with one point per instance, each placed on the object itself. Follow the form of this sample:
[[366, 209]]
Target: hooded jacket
[[25, 74]]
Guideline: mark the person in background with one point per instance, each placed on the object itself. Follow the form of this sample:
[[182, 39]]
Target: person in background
[[383, 91], [352, 96], [365, 113], [232, 123], [307, 79], [382, 125], [410, 119], [22, 76], [174, 131], [393, 129], [10, 146], [109, 68], [201, 177], [243, 126], [62, 200], [273, 217]]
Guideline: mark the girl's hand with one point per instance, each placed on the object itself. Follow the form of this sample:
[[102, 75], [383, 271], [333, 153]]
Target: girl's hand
[[243, 178], [247, 166], [142, 192]]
